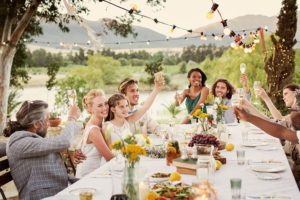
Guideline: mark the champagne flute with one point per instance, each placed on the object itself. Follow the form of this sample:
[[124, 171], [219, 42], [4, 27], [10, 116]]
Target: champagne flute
[[240, 92], [71, 97], [178, 97], [243, 68], [235, 101], [256, 87]]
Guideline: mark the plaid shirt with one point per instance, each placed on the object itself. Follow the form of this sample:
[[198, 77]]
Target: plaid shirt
[[35, 162]]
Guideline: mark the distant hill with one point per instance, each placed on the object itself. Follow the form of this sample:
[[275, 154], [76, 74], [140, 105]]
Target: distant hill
[[78, 34]]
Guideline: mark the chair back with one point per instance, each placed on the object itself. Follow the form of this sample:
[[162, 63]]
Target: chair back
[[5, 176]]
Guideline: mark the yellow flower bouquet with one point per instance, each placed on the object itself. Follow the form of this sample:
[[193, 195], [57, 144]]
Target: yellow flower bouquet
[[203, 118], [220, 108], [131, 152]]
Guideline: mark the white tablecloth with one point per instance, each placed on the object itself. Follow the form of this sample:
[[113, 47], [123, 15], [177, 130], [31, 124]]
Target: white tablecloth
[[286, 185]]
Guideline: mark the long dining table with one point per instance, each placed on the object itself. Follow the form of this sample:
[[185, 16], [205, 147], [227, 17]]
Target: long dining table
[[253, 187]]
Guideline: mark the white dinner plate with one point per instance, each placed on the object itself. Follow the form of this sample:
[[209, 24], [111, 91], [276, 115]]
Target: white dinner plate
[[268, 167], [268, 176], [256, 132], [77, 191], [253, 143], [158, 179], [267, 148]]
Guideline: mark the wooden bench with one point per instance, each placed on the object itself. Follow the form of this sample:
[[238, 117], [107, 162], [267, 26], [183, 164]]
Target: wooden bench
[[5, 176]]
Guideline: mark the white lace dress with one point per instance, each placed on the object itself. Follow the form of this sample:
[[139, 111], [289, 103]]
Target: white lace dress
[[116, 133], [93, 157]]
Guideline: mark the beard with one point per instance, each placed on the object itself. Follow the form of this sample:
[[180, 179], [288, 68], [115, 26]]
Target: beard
[[42, 132]]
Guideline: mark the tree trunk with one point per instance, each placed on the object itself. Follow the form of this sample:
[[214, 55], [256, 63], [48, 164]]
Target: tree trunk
[[6, 58]]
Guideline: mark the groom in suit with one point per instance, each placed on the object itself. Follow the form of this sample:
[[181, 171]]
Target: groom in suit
[[35, 162]]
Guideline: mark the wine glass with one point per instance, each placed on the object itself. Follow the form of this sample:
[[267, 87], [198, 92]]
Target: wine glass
[[240, 92], [178, 97], [243, 68], [235, 100], [71, 96], [256, 87]]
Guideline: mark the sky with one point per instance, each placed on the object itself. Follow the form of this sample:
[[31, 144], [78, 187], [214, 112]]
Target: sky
[[189, 14]]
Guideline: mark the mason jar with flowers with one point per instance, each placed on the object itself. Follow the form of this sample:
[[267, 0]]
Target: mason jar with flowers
[[220, 108], [131, 152]]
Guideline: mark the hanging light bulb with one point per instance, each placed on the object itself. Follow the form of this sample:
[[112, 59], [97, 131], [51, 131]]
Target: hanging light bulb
[[266, 28], [216, 37], [237, 38], [226, 30], [203, 37], [233, 44], [210, 14], [134, 9], [173, 28], [148, 42], [61, 44], [88, 42]]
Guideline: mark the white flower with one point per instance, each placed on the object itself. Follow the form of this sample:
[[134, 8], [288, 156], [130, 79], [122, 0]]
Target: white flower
[[140, 140], [215, 106], [218, 100]]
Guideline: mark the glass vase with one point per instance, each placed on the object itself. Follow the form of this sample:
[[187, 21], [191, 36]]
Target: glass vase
[[220, 118], [130, 181]]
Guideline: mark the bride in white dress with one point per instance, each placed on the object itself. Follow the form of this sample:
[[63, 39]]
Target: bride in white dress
[[93, 145]]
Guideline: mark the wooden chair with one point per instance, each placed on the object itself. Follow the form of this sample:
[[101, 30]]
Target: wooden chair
[[5, 176]]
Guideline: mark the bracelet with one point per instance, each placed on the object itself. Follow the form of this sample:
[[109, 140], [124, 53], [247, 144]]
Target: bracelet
[[72, 118]]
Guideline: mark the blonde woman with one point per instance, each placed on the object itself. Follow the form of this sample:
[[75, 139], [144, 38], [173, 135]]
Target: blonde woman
[[93, 144]]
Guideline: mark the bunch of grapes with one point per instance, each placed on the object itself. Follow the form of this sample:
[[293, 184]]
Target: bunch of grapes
[[204, 139]]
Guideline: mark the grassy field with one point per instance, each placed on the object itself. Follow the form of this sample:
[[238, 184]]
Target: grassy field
[[177, 80]]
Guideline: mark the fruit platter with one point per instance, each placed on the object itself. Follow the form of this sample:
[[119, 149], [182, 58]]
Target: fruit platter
[[206, 139]]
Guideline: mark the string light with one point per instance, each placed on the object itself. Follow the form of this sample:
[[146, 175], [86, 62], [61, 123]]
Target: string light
[[173, 28], [134, 9], [226, 30], [210, 14]]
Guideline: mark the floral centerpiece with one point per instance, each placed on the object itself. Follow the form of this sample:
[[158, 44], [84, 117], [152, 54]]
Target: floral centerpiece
[[131, 152], [220, 108], [204, 119]]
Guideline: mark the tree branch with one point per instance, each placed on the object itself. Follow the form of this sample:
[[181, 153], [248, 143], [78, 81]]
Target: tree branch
[[9, 20], [23, 23]]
